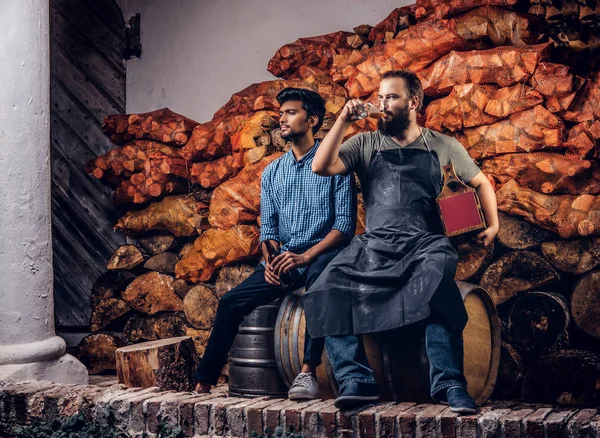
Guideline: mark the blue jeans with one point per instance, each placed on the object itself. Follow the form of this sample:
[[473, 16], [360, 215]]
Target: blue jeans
[[443, 345]]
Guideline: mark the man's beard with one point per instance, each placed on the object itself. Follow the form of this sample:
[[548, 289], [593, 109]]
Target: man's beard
[[291, 134], [398, 123]]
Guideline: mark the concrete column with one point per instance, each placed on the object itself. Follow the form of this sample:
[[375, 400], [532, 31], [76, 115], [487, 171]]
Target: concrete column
[[29, 347]]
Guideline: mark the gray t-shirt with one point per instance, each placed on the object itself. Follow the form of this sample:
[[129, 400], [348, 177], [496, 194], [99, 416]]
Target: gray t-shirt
[[356, 152]]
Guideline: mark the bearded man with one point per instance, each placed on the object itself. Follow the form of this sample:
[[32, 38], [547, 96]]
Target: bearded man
[[401, 271]]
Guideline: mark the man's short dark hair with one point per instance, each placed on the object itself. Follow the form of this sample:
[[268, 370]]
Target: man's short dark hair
[[413, 84], [312, 103]]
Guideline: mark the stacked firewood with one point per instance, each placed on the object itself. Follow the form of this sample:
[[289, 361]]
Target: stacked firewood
[[518, 84]]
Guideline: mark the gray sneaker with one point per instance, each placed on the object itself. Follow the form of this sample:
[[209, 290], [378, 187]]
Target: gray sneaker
[[305, 387]]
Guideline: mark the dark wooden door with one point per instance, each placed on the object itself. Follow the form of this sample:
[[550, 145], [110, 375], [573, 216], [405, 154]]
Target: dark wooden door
[[87, 82]]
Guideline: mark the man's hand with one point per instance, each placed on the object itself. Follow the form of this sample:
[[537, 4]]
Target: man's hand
[[487, 235], [288, 260], [348, 114], [270, 276]]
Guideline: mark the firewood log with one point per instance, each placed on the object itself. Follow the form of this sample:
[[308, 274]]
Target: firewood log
[[473, 257], [261, 96], [560, 102], [110, 285], [515, 233], [181, 287], [498, 25], [230, 276], [516, 272], [107, 312], [584, 304], [398, 20], [567, 215], [146, 189], [277, 140], [538, 323], [150, 328], [413, 49], [180, 215], [354, 41], [97, 351], [510, 374], [151, 293], [503, 66], [164, 263], [210, 140], [238, 200], [216, 248], [168, 364], [361, 215], [586, 105], [573, 256], [200, 338], [185, 249], [161, 125], [568, 378], [315, 52], [431, 9], [510, 100], [550, 79], [211, 174], [253, 156], [527, 131], [546, 172], [200, 307], [157, 243], [125, 257], [462, 108], [254, 131], [583, 138]]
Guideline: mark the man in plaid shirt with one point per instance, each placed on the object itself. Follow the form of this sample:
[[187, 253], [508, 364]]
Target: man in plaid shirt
[[308, 218]]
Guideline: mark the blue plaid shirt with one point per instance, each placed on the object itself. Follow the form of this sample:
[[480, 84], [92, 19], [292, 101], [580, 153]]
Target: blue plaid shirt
[[299, 208]]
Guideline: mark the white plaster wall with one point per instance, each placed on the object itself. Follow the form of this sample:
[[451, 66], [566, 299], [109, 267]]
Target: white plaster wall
[[26, 302], [197, 53]]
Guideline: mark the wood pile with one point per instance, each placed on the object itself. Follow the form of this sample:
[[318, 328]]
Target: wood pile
[[517, 83]]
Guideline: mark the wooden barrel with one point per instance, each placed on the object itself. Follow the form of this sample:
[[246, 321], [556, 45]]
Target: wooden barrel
[[399, 361], [252, 368]]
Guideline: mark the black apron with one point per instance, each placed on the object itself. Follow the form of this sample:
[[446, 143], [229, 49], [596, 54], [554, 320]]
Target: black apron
[[402, 267]]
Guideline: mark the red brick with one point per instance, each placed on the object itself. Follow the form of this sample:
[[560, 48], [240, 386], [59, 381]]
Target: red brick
[[17, 401], [218, 414], [595, 425], [346, 421], [328, 421], [272, 415], [579, 424], [386, 420], [128, 409], [534, 424], [292, 417], [406, 422], [254, 415], [488, 423], [366, 420], [447, 422], [512, 424], [236, 418], [202, 414], [466, 425], [427, 424], [151, 408], [556, 421], [313, 423], [186, 412]]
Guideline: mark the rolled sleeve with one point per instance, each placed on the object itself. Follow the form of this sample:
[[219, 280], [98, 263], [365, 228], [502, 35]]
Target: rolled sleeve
[[269, 220], [345, 205]]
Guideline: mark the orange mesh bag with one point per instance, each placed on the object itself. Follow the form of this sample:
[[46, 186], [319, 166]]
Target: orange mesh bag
[[546, 172], [398, 20], [262, 96], [511, 100], [413, 49], [503, 66], [143, 189], [526, 131], [161, 125], [586, 105], [462, 108], [316, 52], [216, 248], [560, 102], [210, 140], [344, 66], [445, 8], [500, 26], [567, 215], [238, 200], [551, 79], [582, 138], [210, 174], [179, 215]]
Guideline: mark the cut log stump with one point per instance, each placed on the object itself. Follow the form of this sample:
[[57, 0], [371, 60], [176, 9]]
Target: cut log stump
[[584, 304], [167, 363]]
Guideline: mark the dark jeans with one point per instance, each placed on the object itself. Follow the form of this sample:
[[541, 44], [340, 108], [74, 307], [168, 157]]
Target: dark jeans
[[443, 345], [241, 301]]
